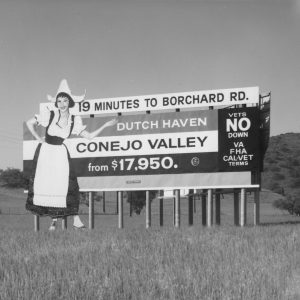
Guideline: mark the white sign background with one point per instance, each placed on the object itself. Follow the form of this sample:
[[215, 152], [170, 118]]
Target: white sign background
[[195, 99]]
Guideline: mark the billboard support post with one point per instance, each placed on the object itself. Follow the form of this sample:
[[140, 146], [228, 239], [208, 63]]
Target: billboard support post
[[243, 204], [236, 209], [161, 208], [203, 199], [36, 223], [117, 204], [191, 208], [218, 207], [256, 207], [91, 211], [245, 208], [120, 210], [209, 207], [177, 208], [64, 223], [148, 210], [103, 203]]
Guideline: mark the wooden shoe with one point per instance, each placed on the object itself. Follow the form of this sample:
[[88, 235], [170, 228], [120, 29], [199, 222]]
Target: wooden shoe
[[52, 226], [79, 227]]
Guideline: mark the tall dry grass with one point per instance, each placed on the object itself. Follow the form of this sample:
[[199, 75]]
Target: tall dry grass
[[191, 263]]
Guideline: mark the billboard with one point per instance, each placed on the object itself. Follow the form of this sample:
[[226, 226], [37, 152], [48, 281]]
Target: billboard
[[196, 149], [159, 102]]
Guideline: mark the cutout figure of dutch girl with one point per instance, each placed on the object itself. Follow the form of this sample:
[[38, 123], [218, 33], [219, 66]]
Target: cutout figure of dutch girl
[[53, 188]]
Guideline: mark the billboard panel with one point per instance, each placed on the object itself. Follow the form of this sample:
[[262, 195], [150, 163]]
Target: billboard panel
[[191, 149]]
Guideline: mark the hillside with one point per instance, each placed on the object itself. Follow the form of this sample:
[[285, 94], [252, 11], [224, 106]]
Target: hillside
[[282, 164]]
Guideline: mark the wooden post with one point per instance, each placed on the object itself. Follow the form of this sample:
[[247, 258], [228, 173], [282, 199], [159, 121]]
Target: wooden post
[[103, 203], [242, 207], [161, 209], [91, 211], [256, 207], [64, 223], [148, 210], [191, 209], [120, 209], [203, 199], [177, 208], [218, 207], [36, 223], [236, 207], [209, 207]]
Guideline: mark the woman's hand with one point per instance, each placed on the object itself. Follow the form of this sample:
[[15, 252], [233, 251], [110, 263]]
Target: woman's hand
[[111, 123], [91, 135]]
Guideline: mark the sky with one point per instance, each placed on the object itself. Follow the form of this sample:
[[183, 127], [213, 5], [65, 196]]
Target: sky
[[116, 48]]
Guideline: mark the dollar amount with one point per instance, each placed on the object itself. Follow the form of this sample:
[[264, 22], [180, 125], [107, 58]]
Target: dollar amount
[[143, 163]]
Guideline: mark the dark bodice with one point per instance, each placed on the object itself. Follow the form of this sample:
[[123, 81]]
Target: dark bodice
[[53, 140], [56, 140]]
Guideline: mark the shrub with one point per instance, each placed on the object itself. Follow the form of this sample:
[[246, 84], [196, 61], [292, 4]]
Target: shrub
[[295, 183], [270, 160], [285, 165], [275, 169], [295, 173], [13, 178], [285, 148], [275, 187], [278, 176], [137, 199], [297, 206], [291, 204], [285, 204], [295, 162]]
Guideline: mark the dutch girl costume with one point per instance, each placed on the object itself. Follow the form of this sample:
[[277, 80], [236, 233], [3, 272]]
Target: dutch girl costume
[[53, 188]]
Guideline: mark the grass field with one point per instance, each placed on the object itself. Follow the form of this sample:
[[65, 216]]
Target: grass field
[[223, 262]]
